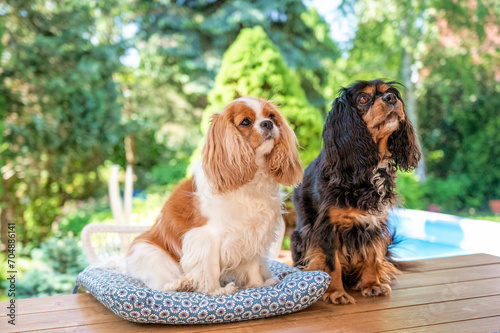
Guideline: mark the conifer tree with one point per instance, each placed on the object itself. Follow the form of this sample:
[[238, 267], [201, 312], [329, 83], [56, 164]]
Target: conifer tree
[[253, 66]]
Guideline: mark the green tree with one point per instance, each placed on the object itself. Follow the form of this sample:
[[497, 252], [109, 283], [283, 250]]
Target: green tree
[[390, 41], [3, 92], [185, 41], [61, 118], [253, 66], [444, 52], [460, 107], [181, 44]]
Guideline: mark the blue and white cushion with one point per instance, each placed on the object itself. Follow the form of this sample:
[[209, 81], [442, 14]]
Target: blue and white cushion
[[130, 299]]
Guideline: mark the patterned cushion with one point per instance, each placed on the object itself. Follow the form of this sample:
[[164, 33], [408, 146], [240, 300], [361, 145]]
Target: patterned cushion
[[132, 300]]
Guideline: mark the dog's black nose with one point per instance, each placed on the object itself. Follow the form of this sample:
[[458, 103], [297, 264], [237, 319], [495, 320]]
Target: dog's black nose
[[267, 124], [390, 98]]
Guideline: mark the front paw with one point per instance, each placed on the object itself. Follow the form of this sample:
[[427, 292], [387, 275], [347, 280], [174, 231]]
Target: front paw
[[183, 284], [271, 282], [229, 289], [339, 297], [382, 289]]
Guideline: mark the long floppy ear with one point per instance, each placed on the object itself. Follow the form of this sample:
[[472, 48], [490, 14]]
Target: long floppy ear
[[228, 160], [351, 154], [283, 162], [403, 146]]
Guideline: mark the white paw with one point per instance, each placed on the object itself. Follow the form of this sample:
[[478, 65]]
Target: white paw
[[229, 289], [184, 283], [271, 282]]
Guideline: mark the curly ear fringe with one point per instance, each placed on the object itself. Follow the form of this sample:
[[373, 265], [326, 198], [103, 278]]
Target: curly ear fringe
[[351, 154], [228, 160], [283, 162], [403, 146]]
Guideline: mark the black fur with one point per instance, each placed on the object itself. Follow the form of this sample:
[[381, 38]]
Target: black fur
[[403, 146], [342, 176]]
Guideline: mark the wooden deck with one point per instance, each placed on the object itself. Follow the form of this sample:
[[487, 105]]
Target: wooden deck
[[454, 294]]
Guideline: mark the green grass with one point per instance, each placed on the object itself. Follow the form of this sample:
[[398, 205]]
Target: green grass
[[482, 216]]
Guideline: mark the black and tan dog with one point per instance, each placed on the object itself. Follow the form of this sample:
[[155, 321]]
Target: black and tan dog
[[343, 202]]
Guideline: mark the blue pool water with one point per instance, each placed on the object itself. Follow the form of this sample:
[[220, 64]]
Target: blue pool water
[[433, 235], [413, 249]]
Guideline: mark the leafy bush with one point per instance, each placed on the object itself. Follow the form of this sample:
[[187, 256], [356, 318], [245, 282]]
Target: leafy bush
[[169, 173], [62, 114], [459, 130], [451, 194], [412, 192], [3, 276], [80, 215], [52, 269], [64, 255]]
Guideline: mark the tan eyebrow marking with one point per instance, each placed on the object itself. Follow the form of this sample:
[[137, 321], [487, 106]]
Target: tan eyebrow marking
[[369, 90], [383, 87]]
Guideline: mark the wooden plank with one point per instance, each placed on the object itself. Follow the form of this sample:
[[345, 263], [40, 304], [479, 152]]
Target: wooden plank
[[50, 303], [459, 316], [429, 264], [454, 262], [414, 296], [129, 327], [380, 320], [312, 325], [488, 324], [63, 318], [433, 288], [407, 280], [420, 315], [399, 298], [447, 276]]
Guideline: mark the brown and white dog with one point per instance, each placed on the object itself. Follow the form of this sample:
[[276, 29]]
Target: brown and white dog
[[220, 224], [343, 202]]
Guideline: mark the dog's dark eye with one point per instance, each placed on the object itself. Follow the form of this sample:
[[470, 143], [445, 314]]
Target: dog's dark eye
[[363, 100], [272, 117], [246, 122]]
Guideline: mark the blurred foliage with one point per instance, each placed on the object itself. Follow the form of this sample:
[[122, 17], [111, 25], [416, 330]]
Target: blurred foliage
[[71, 105], [286, 243], [63, 255], [79, 215], [3, 277], [461, 108], [52, 269], [411, 191], [183, 41], [253, 66], [447, 55], [181, 50], [3, 145], [448, 194], [61, 117]]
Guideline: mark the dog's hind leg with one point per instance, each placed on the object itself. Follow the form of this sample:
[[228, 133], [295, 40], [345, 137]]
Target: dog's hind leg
[[152, 265]]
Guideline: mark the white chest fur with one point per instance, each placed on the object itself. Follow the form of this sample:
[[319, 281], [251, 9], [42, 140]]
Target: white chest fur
[[245, 221]]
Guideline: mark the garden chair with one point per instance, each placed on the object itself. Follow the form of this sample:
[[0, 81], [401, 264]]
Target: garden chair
[[101, 240]]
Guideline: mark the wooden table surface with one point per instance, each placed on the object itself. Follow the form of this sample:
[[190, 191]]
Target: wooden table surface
[[454, 294]]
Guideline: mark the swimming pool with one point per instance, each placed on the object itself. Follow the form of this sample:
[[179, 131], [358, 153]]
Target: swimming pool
[[433, 235]]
